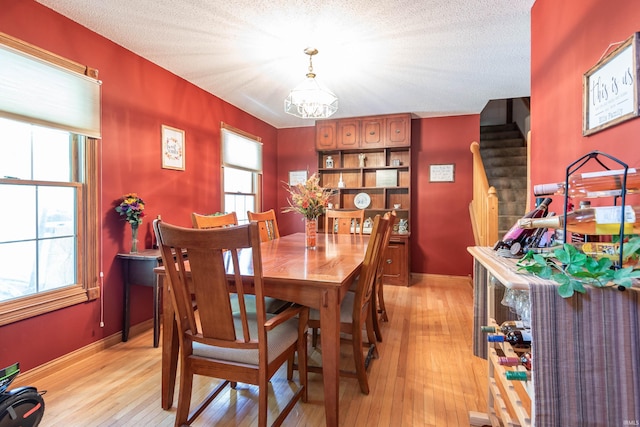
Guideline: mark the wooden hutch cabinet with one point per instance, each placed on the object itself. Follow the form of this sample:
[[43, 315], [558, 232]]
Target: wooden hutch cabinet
[[326, 135], [371, 170]]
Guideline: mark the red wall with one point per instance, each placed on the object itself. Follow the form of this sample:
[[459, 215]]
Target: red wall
[[296, 151], [441, 228], [568, 38], [137, 98]]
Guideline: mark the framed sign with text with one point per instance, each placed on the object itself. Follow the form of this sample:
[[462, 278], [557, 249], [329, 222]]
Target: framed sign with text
[[441, 173], [297, 177], [610, 88], [173, 146]]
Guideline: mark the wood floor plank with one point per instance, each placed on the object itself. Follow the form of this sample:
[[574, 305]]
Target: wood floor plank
[[425, 375]]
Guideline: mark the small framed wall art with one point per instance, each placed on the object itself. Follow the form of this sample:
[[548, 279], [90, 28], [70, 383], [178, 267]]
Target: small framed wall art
[[173, 147], [297, 177], [610, 88], [441, 173]]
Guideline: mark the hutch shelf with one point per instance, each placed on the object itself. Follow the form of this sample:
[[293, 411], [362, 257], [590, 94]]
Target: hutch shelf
[[367, 162]]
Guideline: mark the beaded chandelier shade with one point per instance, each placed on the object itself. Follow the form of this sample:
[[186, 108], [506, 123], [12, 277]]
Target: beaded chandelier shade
[[310, 99]]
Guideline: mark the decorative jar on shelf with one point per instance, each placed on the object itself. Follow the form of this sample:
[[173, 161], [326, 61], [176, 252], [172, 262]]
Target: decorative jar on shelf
[[329, 162]]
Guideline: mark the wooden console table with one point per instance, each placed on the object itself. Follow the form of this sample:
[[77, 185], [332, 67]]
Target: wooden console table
[[137, 269]]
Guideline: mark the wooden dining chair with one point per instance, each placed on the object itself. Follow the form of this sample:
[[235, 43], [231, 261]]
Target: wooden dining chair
[[343, 222], [355, 310], [379, 311], [268, 227], [274, 305], [214, 221], [267, 224], [244, 346]]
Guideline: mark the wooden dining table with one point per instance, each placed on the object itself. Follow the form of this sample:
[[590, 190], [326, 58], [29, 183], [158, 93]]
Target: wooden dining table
[[318, 278]]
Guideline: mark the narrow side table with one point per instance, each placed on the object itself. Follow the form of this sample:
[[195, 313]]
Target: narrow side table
[[137, 269]]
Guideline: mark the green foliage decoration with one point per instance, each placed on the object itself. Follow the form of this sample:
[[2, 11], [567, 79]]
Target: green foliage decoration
[[572, 269]]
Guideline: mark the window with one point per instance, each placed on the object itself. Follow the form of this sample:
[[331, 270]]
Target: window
[[241, 172], [39, 234], [49, 223], [239, 192]]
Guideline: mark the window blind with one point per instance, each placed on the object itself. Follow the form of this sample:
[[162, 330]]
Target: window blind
[[240, 151], [39, 92]]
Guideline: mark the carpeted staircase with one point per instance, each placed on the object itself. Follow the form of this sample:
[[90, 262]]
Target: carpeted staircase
[[504, 154]]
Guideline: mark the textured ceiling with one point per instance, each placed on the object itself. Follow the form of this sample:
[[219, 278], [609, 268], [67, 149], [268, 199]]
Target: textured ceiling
[[426, 57]]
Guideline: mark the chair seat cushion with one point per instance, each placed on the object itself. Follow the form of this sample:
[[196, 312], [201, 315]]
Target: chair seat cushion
[[346, 309], [279, 338], [271, 305]]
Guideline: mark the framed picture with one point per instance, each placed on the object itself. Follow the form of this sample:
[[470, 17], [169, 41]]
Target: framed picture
[[610, 88], [441, 173], [387, 178], [173, 146], [297, 177]]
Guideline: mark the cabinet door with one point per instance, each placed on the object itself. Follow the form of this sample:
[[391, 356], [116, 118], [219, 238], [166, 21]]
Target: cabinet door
[[393, 264], [348, 134], [373, 131], [326, 135], [398, 131]]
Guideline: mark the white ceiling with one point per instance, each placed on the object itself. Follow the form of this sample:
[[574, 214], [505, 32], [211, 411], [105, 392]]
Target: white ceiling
[[426, 57]]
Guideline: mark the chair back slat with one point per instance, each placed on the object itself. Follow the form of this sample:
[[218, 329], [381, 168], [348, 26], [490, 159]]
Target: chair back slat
[[267, 224], [342, 222], [210, 252]]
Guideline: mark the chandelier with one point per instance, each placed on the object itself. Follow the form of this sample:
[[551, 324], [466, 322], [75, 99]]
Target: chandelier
[[310, 99]]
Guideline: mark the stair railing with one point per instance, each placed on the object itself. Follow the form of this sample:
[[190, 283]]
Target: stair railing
[[483, 209]]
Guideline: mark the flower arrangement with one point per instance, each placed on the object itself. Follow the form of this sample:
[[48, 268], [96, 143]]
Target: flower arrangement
[[132, 209], [308, 198]]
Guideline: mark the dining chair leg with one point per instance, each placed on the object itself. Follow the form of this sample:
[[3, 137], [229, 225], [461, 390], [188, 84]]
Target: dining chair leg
[[382, 310], [290, 366], [302, 369], [371, 337], [374, 309], [184, 398], [263, 394], [361, 371]]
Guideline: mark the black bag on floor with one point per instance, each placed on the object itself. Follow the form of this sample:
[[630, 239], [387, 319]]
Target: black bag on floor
[[22, 406]]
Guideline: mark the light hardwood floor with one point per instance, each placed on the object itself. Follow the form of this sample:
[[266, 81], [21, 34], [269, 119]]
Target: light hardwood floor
[[426, 375]]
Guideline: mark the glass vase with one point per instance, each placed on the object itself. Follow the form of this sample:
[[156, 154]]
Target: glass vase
[[134, 238], [311, 233]]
